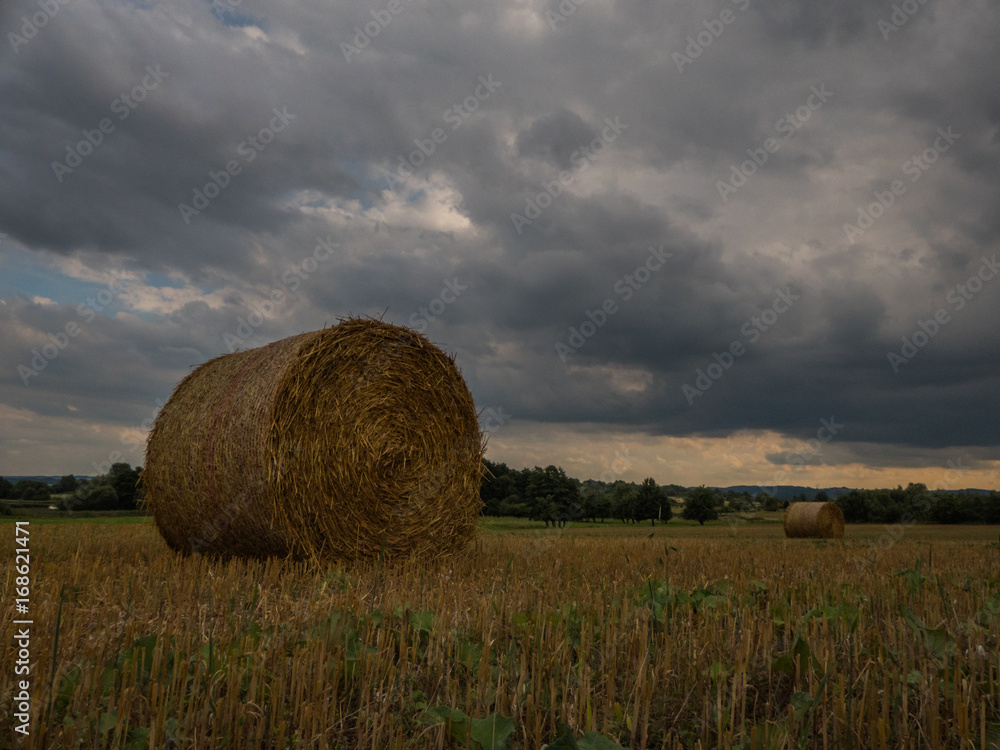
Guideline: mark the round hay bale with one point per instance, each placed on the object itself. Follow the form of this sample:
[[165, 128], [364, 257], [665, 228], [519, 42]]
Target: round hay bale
[[823, 520], [327, 444]]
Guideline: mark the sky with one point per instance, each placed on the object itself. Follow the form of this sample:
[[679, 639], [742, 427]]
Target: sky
[[729, 242]]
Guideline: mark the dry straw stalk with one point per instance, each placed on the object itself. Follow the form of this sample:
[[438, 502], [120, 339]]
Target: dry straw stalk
[[327, 444], [824, 520]]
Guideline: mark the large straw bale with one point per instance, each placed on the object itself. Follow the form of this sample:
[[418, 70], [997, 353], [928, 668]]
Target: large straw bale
[[824, 520], [328, 444]]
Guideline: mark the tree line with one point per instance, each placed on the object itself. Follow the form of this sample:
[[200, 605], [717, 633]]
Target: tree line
[[917, 503], [119, 489], [549, 495]]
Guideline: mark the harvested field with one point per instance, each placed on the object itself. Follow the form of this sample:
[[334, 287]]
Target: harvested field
[[695, 637]]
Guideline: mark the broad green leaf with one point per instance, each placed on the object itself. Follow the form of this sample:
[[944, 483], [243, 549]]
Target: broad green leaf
[[422, 621], [596, 741], [564, 741], [458, 719], [493, 732], [109, 719]]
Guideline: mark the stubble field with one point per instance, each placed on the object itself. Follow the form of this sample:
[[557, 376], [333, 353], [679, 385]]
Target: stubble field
[[723, 636]]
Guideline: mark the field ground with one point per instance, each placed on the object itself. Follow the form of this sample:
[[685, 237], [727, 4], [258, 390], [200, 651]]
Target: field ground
[[678, 636]]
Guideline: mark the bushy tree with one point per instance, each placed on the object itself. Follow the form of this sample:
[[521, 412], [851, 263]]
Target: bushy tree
[[125, 481], [552, 496], [767, 501], [854, 506], [601, 506], [66, 484], [651, 502], [623, 499], [498, 485], [32, 490], [700, 505], [100, 497], [6, 490]]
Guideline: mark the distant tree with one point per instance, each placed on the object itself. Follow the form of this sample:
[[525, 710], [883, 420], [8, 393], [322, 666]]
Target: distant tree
[[651, 502], [101, 497], [125, 481], [497, 486], [66, 484], [602, 506], [6, 490], [512, 506], [553, 496], [918, 501], [949, 509], [768, 502], [822, 497], [32, 490], [623, 500], [700, 505], [991, 507], [855, 506]]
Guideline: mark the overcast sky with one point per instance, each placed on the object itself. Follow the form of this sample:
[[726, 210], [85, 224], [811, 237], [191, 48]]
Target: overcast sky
[[668, 239]]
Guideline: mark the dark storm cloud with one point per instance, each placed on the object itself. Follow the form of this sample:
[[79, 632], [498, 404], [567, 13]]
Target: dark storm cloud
[[357, 123], [555, 137]]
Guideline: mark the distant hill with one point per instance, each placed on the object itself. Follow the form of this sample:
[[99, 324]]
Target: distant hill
[[789, 491], [47, 479]]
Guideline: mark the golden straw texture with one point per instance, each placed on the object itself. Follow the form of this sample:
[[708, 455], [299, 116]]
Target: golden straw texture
[[824, 520], [327, 444]]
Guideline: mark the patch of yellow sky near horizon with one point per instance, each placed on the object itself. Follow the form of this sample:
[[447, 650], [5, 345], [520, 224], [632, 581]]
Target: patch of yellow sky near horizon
[[595, 451]]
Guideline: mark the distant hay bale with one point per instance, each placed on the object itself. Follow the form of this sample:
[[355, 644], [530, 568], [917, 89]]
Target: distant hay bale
[[327, 444], [823, 520]]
